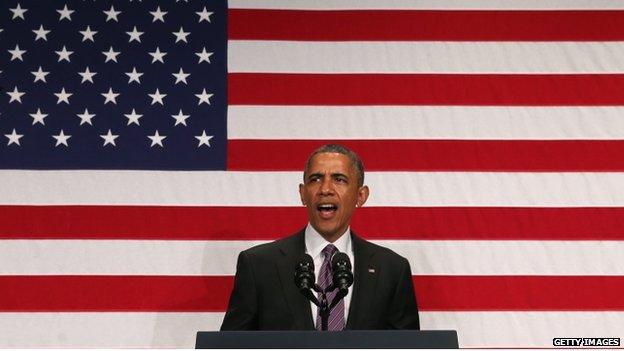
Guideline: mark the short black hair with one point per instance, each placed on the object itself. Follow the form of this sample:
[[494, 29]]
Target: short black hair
[[356, 161]]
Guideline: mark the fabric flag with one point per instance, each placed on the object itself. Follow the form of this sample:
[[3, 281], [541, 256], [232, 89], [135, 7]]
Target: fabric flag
[[144, 144]]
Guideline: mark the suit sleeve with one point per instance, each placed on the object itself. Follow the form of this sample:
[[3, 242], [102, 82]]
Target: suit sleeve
[[403, 313], [242, 312]]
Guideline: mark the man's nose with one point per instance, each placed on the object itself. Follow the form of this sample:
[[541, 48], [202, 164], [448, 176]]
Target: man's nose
[[327, 186]]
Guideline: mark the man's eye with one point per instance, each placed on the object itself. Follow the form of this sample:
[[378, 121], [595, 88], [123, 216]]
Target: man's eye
[[341, 180]]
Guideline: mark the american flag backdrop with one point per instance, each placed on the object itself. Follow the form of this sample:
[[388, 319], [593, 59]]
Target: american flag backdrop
[[144, 144]]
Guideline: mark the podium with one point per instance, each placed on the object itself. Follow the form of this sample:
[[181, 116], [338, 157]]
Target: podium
[[311, 339]]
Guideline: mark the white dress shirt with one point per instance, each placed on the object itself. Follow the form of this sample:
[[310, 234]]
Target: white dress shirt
[[315, 243]]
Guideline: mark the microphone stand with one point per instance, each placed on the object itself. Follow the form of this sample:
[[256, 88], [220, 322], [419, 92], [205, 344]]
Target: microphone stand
[[324, 310], [324, 306]]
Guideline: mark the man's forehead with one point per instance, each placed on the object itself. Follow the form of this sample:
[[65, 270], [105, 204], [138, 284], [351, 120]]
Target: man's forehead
[[330, 162]]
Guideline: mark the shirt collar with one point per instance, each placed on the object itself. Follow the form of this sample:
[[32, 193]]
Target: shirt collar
[[315, 243]]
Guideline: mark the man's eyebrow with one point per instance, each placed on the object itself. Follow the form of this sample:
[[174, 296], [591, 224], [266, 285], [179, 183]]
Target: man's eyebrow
[[333, 175]]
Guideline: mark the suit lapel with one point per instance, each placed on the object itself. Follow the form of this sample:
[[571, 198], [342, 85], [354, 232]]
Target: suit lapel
[[292, 249], [364, 283]]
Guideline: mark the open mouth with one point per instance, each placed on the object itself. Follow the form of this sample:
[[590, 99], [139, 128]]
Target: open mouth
[[327, 210]]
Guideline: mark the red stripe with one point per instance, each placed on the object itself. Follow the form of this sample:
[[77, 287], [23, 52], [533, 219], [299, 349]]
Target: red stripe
[[426, 89], [149, 222], [190, 293], [113, 293], [520, 293], [440, 155], [379, 25], [268, 223]]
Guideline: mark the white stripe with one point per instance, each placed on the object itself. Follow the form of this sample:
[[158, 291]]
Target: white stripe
[[511, 257], [104, 330], [524, 329], [177, 330], [425, 57], [137, 257], [20, 187], [120, 257], [426, 122], [428, 4]]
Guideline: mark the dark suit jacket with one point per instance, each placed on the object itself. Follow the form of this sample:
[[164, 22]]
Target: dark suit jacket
[[265, 296]]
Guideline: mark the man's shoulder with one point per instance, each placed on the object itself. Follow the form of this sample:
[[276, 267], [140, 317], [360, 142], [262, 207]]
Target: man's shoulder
[[381, 252], [274, 247]]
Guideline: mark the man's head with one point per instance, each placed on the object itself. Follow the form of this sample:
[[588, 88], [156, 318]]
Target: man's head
[[333, 185]]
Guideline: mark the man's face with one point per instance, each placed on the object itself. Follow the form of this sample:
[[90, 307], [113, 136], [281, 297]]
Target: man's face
[[331, 192]]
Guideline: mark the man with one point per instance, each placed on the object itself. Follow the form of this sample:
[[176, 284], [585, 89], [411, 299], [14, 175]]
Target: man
[[265, 296]]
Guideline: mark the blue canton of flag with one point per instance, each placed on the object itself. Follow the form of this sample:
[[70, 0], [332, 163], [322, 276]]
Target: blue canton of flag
[[113, 85]]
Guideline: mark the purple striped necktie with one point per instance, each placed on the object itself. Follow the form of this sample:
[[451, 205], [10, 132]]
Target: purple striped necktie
[[336, 316]]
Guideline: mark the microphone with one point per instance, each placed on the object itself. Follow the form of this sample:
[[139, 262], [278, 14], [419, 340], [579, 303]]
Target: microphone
[[304, 277], [342, 274]]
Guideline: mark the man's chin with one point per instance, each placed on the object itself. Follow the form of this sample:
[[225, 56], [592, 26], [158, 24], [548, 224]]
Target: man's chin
[[328, 231]]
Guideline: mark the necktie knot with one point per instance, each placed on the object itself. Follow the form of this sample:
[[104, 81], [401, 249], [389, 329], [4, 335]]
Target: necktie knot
[[329, 251]]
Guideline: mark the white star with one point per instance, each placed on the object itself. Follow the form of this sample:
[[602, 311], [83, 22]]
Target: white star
[[40, 75], [63, 96], [203, 55], [64, 54], [18, 11], [203, 139], [180, 118], [134, 76], [85, 117], [181, 35], [65, 13], [87, 75], [157, 97], [38, 117], [61, 138], [14, 137], [41, 33], [110, 96], [15, 95], [157, 139], [158, 15], [111, 14], [204, 15], [109, 138], [111, 54], [204, 97], [157, 55], [88, 34], [180, 76], [133, 118], [134, 35], [16, 53]]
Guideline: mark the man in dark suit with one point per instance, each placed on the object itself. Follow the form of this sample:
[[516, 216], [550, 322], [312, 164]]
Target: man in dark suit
[[265, 296]]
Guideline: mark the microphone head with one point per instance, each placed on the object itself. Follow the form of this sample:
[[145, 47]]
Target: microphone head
[[342, 273], [304, 272], [340, 260], [305, 261]]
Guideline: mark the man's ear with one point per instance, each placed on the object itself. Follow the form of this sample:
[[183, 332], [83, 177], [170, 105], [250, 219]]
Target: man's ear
[[363, 193], [301, 191]]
